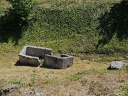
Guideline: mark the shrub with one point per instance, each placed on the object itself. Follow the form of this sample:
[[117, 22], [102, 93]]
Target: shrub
[[22, 9], [16, 20]]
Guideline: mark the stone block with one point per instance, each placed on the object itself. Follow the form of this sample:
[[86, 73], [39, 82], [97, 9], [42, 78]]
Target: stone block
[[31, 55], [116, 65], [62, 62]]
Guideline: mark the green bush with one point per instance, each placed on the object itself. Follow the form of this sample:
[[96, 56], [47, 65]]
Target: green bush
[[16, 20], [22, 9]]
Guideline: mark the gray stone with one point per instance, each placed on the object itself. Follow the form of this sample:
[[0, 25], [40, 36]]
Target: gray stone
[[31, 55], [39, 93], [58, 62], [116, 65], [7, 90], [72, 94]]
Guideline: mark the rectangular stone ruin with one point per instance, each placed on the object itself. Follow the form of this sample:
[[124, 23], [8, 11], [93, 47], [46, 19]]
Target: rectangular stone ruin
[[62, 62], [31, 55]]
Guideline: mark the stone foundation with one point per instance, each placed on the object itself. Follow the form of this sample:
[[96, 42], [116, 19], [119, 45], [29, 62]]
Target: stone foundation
[[30, 55], [58, 62]]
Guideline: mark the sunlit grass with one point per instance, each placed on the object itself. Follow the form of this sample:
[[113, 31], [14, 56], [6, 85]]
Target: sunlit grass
[[90, 64]]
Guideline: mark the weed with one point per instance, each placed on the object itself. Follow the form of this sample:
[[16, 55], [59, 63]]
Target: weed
[[121, 81], [2, 83], [125, 89], [20, 83], [33, 77], [97, 88], [52, 72], [127, 68], [76, 76]]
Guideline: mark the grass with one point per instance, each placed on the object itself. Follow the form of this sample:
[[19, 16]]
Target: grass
[[60, 23], [66, 26], [3, 6], [82, 73]]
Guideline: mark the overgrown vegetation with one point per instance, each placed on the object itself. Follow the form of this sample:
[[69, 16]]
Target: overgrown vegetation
[[16, 20], [22, 9], [57, 23], [67, 26], [114, 23]]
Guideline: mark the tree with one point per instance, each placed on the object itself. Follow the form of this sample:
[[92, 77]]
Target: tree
[[114, 23], [16, 20], [22, 10]]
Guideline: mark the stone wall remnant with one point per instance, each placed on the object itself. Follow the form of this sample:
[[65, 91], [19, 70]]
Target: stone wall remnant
[[31, 55], [62, 62]]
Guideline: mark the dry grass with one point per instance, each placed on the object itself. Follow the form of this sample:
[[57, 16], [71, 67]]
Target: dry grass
[[89, 85], [83, 78], [9, 70]]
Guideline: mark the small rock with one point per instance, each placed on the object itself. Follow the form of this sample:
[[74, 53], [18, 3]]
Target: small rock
[[8, 89], [116, 65], [72, 94], [39, 93]]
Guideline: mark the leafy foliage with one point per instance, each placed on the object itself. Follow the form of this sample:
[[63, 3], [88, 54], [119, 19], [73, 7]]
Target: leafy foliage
[[16, 20], [22, 9], [114, 23], [62, 25]]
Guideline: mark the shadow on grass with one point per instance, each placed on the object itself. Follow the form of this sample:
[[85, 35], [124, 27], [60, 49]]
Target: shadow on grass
[[11, 27], [21, 64], [30, 65], [48, 67], [114, 23]]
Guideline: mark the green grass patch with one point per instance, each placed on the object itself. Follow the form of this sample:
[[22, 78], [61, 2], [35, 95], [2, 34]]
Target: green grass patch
[[66, 27]]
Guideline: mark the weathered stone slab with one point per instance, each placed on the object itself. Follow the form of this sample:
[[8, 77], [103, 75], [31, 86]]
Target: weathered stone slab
[[29, 60], [116, 65], [30, 55], [38, 51], [5, 91], [58, 62]]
